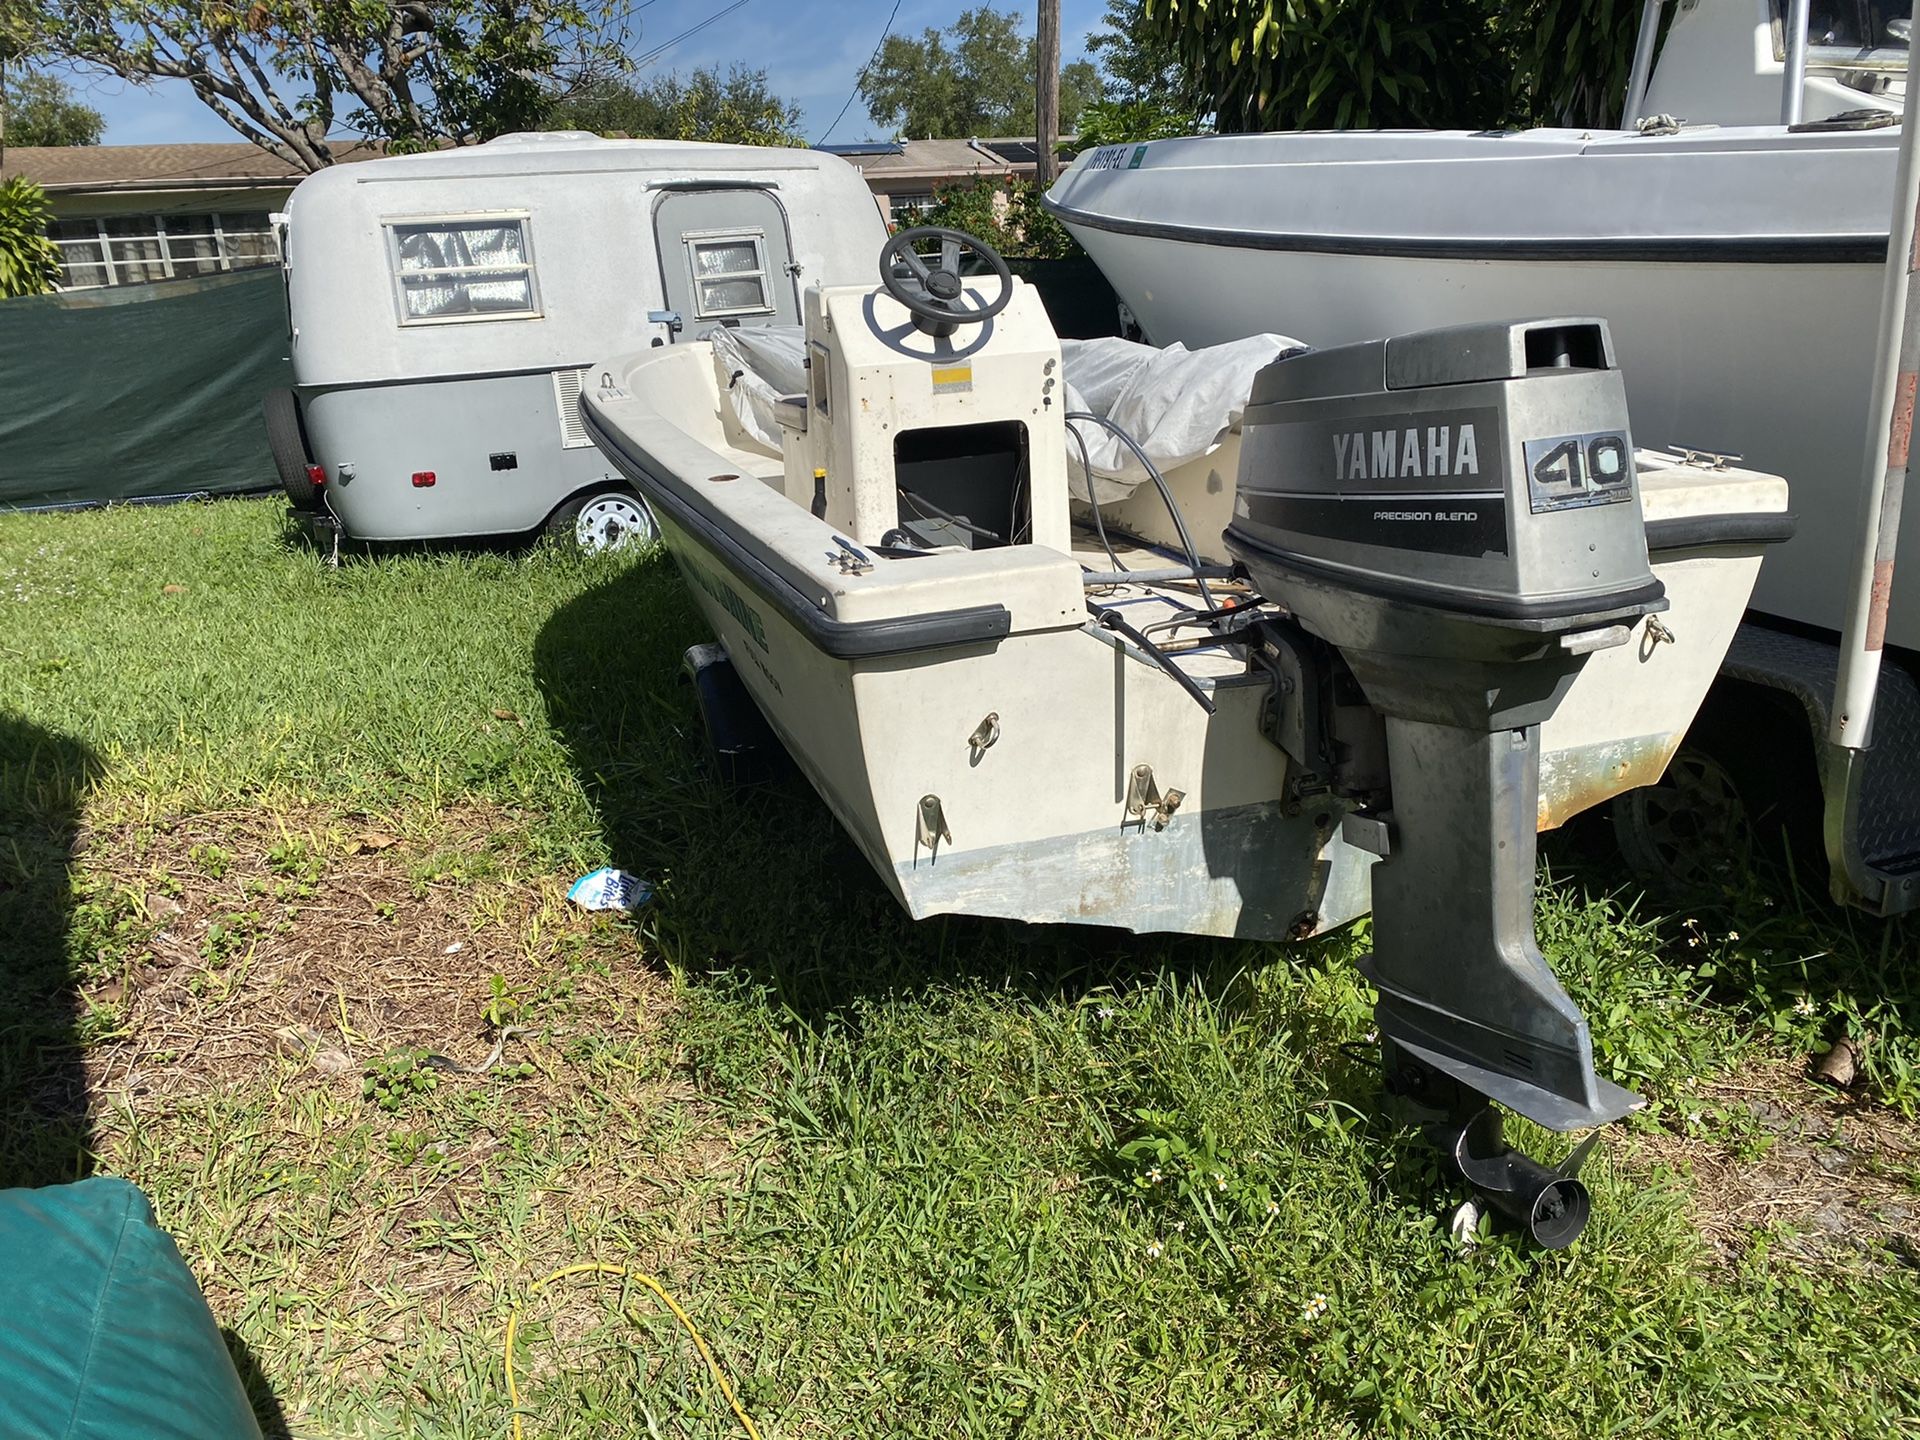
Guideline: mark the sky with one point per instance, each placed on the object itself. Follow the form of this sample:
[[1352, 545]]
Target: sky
[[812, 51]]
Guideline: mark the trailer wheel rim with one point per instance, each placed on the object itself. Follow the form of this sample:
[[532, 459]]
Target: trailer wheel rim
[[611, 522], [1689, 827]]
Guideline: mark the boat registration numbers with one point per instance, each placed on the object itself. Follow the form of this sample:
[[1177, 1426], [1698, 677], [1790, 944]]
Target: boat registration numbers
[[1117, 157]]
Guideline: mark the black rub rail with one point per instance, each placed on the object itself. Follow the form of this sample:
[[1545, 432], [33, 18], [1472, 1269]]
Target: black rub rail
[[841, 639]]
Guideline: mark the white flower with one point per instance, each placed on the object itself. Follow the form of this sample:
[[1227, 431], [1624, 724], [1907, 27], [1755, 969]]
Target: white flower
[[1273, 1207], [1154, 1177], [1180, 1227], [1733, 934], [1105, 1012], [1804, 1005], [1219, 1182], [1153, 1249]]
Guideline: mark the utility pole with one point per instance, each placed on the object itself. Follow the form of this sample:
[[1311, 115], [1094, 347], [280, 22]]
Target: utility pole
[[1046, 107]]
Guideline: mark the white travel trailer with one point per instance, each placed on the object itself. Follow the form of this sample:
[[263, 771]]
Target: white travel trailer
[[443, 309]]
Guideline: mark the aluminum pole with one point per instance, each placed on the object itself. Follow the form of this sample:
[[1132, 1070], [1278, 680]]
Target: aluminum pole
[[1793, 79], [1889, 436], [1642, 74]]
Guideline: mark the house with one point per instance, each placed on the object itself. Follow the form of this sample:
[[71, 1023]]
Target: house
[[125, 214], [903, 174]]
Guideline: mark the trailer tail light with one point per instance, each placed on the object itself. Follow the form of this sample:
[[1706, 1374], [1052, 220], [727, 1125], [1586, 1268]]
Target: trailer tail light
[[317, 476], [422, 479]]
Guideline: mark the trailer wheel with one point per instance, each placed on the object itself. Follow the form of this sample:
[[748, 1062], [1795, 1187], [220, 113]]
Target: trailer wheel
[[609, 520], [288, 442], [1690, 829]]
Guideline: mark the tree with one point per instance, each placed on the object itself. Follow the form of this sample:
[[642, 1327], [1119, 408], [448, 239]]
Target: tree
[[40, 110], [1140, 63], [1121, 122], [287, 74], [975, 79], [1007, 214], [1314, 64], [740, 109], [29, 261]]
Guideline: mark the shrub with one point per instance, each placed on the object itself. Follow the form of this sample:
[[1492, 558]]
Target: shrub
[[29, 261]]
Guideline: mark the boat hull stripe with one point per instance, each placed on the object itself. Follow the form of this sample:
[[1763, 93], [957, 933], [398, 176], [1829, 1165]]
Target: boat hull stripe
[[1697, 249]]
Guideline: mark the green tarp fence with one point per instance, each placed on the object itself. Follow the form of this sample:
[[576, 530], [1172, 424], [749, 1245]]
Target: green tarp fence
[[141, 392]]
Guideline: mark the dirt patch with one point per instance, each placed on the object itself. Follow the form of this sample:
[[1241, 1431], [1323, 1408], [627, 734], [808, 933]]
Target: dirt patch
[[1826, 1174], [262, 968], [333, 939]]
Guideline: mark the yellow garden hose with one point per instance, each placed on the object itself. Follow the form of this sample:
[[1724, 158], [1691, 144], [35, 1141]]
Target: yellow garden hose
[[686, 1323]]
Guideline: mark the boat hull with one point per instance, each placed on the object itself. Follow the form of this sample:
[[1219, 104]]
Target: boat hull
[[1758, 343], [1036, 825]]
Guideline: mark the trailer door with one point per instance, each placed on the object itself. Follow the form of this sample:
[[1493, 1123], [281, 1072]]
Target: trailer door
[[725, 259]]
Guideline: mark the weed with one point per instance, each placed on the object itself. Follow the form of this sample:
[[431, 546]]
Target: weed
[[398, 1077], [505, 1005], [212, 860]]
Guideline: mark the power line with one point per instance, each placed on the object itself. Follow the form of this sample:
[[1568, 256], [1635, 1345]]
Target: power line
[[886, 31], [661, 49]]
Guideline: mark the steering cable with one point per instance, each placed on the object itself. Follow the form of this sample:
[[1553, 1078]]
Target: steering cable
[[1166, 494]]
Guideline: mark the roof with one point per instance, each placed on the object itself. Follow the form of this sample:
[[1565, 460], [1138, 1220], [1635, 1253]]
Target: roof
[[943, 159], [237, 165], [863, 147]]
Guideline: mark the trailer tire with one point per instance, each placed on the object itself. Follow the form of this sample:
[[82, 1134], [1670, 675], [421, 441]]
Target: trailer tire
[[603, 520], [1741, 790], [1688, 829], [288, 442]]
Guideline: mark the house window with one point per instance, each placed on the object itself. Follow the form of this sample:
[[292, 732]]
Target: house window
[[909, 206], [463, 267], [133, 249], [729, 274]]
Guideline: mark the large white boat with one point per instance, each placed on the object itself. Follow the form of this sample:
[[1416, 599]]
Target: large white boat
[[1735, 235], [1736, 258]]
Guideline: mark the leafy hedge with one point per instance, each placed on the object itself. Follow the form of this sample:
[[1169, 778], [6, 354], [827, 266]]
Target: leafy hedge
[[1340, 64], [29, 261]]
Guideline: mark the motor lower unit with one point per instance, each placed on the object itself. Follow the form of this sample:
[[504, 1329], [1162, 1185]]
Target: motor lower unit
[[1452, 520]]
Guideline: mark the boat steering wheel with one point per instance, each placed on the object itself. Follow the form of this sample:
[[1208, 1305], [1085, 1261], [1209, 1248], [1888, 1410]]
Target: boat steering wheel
[[935, 294]]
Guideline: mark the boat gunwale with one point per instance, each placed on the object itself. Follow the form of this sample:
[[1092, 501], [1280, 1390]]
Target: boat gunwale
[[838, 639]]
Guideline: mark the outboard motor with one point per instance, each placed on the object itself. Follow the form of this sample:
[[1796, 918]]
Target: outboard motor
[[1456, 513]]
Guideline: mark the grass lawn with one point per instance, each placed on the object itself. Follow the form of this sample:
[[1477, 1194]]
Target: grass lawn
[[283, 857]]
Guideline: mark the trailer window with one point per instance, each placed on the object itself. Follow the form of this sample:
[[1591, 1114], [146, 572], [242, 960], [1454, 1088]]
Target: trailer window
[[477, 268], [729, 274]]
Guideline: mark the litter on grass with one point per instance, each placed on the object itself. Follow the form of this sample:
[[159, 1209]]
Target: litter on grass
[[610, 890]]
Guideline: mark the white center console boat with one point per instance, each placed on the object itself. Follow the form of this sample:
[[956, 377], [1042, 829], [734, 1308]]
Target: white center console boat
[[1441, 632]]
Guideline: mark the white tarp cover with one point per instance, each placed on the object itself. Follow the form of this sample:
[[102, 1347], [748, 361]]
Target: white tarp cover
[[756, 365], [1179, 404]]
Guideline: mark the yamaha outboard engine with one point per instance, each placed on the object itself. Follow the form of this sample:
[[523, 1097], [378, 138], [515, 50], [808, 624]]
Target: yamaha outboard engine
[[1455, 512]]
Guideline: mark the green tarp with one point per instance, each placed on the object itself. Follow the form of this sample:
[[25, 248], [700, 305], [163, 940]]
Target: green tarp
[[142, 391], [104, 1335]]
